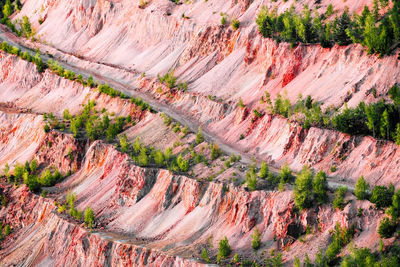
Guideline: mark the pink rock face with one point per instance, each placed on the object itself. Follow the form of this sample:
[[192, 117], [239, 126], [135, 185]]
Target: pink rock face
[[270, 138], [44, 238], [164, 211], [151, 216]]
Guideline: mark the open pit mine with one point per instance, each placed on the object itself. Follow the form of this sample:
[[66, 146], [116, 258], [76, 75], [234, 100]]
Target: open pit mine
[[200, 133]]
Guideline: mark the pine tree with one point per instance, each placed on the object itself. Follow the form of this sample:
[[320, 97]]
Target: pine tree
[[385, 38], [263, 170], [182, 164], [361, 189], [372, 118], [302, 189], [123, 141], [365, 13], [395, 21], [384, 127], [89, 217], [240, 103], [341, 25], [204, 255], [6, 170], [224, 249], [265, 23], [159, 158], [371, 34], [320, 187], [251, 179], [394, 210], [199, 136], [143, 158], [268, 102], [397, 135], [375, 10], [8, 9], [256, 239]]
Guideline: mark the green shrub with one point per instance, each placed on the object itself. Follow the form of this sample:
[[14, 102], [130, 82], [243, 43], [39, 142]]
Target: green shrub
[[143, 159], [31, 181], [223, 20], [199, 136], [8, 9], [340, 238], [381, 196], [204, 255], [61, 208], [7, 230], [296, 262], [89, 217], [320, 187], [338, 201], [303, 188], [169, 79], [215, 151], [6, 170], [19, 170], [123, 141], [235, 24], [46, 128], [251, 179], [71, 198], [263, 170], [182, 163], [33, 165], [49, 179], [256, 239], [240, 103], [159, 158], [361, 189], [394, 210], [285, 174], [224, 249], [386, 227]]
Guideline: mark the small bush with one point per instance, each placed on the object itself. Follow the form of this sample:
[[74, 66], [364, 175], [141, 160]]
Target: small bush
[[394, 210], [320, 188], [302, 190], [251, 179], [381, 196], [263, 170], [338, 202], [256, 239], [235, 24], [224, 249], [199, 136], [215, 151], [182, 164], [240, 103], [46, 128], [169, 79], [123, 141], [7, 230], [340, 238], [223, 20], [89, 217], [285, 174], [361, 189], [386, 227], [204, 255]]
